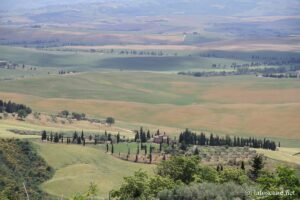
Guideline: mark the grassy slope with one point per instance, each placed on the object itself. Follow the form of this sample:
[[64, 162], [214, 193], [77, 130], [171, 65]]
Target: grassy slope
[[84, 61], [236, 105], [283, 155], [77, 166]]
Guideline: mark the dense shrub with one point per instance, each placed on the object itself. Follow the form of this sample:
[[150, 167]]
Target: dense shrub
[[205, 191], [21, 164]]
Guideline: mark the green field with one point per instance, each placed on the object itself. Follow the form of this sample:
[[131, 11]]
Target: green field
[[132, 147], [226, 105], [76, 167], [83, 61], [245, 106]]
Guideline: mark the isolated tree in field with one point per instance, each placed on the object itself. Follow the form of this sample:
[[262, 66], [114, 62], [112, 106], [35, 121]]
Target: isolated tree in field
[[257, 166], [110, 120]]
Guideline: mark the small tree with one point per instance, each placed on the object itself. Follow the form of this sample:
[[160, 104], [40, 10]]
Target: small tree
[[118, 137], [110, 120], [243, 165], [56, 138], [22, 113], [64, 113], [257, 166], [44, 135]]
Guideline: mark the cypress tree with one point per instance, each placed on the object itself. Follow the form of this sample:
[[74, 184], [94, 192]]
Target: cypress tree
[[82, 135], [118, 138], [44, 135], [148, 135], [257, 166], [196, 152], [56, 138], [243, 165]]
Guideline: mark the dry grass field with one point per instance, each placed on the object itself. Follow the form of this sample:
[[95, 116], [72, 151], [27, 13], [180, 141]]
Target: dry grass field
[[247, 106]]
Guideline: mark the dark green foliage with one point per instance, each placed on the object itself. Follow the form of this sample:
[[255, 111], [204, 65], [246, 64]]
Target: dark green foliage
[[190, 138], [257, 166], [242, 165], [118, 138], [64, 113], [148, 135], [205, 191], [78, 116], [142, 135], [56, 138], [141, 186], [196, 152], [44, 135], [284, 179], [110, 120], [11, 107], [19, 163], [179, 168]]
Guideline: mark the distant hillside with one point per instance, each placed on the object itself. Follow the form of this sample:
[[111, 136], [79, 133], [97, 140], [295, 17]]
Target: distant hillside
[[154, 7]]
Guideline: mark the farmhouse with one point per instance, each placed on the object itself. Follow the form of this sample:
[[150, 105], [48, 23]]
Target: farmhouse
[[161, 139], [3, 63]]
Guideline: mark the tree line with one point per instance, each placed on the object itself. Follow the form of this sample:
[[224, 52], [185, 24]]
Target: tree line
[[189, 138], [80, 138], [11, 107]]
